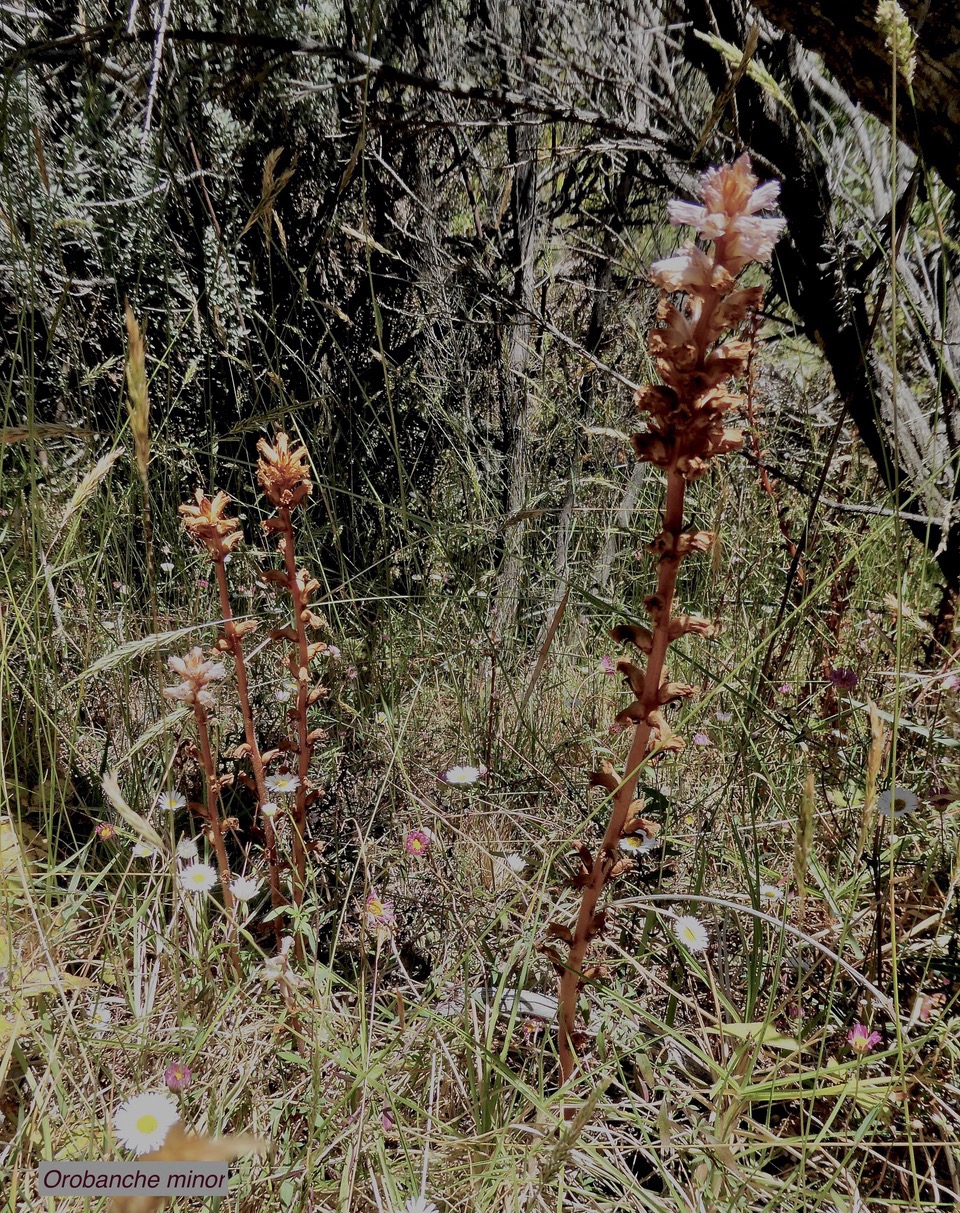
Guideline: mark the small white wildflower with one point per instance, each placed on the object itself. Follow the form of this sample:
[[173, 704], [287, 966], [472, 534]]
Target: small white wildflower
[[277, 968], [282, 696], [691, 933], [895, 803], [101, 1016], [516, 863], [143, 850], [171, 801], [167, 566], [637, 844], [197, 877], [142, 1122], [283, 783], [419, 1204], [269, 808], [771, 892], [462, 777], [187, 850], [244, 888]]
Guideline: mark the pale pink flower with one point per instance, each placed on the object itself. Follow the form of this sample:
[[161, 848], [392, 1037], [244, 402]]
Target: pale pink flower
[[378, 912], [701, 739], [731, 198], [688, 270], [177, 1076], [862, 1040], [197, 674], [608, 666]]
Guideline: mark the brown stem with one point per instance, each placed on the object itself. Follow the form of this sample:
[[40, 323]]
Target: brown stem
[[256, 761], [303, 680], [607, 854], [216, 830]]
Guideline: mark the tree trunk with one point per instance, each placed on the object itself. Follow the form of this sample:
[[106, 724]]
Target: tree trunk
[[851, 44]]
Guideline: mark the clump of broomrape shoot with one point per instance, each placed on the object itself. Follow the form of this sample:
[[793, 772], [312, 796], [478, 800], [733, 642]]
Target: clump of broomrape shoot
[[206, 520], [196, 674], [284, 474], [685, 429]]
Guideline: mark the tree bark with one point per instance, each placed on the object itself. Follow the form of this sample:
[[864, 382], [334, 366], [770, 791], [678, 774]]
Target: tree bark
[[853, 47]]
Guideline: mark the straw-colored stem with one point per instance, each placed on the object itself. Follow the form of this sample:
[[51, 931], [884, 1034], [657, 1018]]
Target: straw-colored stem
[[607, 854], [256, 761]]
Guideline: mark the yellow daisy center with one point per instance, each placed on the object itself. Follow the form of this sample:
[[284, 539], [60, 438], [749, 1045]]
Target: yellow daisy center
[[375, 907], [147, 1123]]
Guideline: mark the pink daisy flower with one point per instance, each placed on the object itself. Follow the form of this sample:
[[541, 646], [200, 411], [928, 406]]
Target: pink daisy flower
[[862, 1040], [417, 841]]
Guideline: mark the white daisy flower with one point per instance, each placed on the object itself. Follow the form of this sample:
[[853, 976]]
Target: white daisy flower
[[187, 850], [171, 801], [244, 888], [896, 802], [101, 1016], [143, 850], [516, 863], [285, 782], [419, 1204], [269, 808], [636, 844], [462, 777], [142, 1122], [771, 892], [691, 933], [197, 878]]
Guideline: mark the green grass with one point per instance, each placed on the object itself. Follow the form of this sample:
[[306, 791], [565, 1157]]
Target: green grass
[[681, 1101]]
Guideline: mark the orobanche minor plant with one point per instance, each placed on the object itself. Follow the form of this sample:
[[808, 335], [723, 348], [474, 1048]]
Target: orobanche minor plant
[[284, 475], [685, 430]]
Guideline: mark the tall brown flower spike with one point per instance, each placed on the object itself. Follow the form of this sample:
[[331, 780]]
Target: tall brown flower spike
[[283, 471], [207, 522], [686, 427]]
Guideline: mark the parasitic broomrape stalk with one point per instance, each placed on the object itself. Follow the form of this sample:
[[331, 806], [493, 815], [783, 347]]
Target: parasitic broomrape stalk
[[684, 431], [284, 474], [208, 523]]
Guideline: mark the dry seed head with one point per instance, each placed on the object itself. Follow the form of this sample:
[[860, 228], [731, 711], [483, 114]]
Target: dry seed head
[[899, 37], [138, 400]]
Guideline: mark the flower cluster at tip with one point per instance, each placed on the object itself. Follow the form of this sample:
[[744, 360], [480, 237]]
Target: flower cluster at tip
[[196, 673], [206, 522], [685, 413]]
